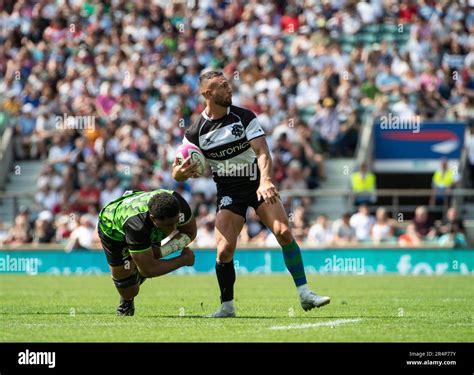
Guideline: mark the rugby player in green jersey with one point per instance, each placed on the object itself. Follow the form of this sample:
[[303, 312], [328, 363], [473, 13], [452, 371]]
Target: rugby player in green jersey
[[131, 229]]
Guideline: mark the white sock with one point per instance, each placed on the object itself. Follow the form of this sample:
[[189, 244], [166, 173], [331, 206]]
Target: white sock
[[303, 289], [228, 305]]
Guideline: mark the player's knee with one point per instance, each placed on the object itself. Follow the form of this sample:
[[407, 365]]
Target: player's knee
[[283, 235], [225, 252], [127, 282]]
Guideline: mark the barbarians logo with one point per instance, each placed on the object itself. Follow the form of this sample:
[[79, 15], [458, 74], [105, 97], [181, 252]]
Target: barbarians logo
[[225, 201], [237, 130]]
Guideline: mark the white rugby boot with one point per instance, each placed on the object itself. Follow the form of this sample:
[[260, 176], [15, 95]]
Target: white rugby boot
[[226, 310], [310, 300]]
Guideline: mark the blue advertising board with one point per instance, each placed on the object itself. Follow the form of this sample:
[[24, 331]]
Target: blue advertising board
[[416, 147]]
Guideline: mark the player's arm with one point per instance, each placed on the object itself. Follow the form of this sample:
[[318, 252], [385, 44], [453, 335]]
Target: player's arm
[[186, 234], [267, 190], [151, 267], [141, 251], [187, 230]]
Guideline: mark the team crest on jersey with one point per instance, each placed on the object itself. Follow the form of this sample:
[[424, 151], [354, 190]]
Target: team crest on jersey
[[225, 201], [237, 130]]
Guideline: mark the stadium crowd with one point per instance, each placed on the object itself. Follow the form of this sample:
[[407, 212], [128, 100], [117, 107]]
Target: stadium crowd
[[103, 91]]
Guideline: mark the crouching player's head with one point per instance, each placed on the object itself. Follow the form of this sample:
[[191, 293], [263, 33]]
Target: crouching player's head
[[164, 212]]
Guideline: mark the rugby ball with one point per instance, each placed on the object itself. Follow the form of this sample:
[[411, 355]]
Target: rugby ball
[[188, 149]]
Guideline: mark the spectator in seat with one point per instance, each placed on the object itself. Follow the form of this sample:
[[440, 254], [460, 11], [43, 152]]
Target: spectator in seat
[[382, 230], [84, 236], [63, 230], [452, 218], [312, 149], [453, 237], [327, 122], [59, 153], [362, 222], [410, 238], [344, 234], [25, 140], [46, 198], [49, 177], [423, 224], [20, 232], [320, 233], [43, 232], [298, 153]]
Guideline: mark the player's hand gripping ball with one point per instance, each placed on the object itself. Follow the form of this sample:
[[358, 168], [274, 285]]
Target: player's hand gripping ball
[[189, 150]]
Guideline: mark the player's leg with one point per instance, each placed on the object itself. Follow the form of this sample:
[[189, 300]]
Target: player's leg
[[274, 217], [127, 280], [228, 228], [124, 272]]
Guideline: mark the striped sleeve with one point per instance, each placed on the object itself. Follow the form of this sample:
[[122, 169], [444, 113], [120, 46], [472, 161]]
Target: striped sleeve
[[254, 129]]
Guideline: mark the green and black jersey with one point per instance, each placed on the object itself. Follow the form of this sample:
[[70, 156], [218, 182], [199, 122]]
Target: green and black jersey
[[127, 219]]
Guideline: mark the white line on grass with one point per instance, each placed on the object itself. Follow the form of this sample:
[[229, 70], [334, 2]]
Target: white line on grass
[[331, 323]]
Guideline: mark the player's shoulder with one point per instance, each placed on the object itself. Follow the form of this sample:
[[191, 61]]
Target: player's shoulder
[[181, 200], [246, 115], [185, 210], [136, 222], [178, 196]]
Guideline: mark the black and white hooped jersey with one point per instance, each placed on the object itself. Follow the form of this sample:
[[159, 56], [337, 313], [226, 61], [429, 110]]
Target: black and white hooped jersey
[[225, 143]]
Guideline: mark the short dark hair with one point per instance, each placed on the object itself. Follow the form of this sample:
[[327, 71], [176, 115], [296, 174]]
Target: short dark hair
[[209, 75], [163, 206], [346, 215]]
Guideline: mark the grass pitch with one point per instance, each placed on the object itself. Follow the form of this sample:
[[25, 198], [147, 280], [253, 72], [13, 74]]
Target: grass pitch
[[173, 308]]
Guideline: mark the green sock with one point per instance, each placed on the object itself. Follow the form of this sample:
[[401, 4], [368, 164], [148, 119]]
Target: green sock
[[294, 262]]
